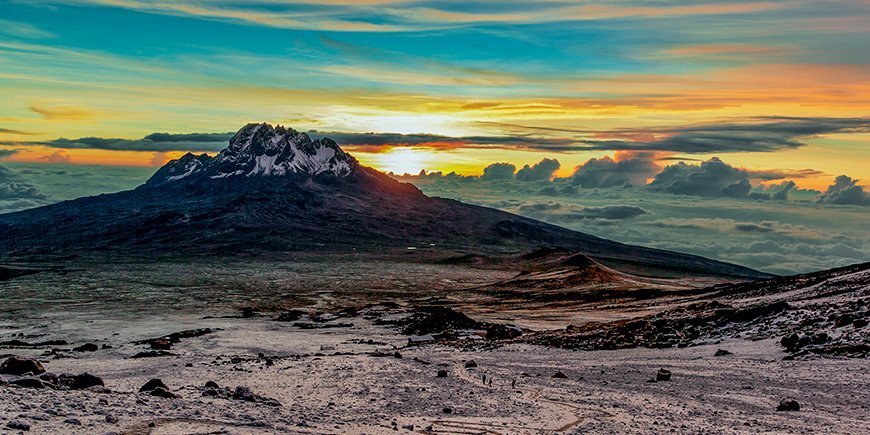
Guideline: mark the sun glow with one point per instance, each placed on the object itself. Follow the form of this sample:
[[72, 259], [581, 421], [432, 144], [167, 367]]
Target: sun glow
[[399, 160]]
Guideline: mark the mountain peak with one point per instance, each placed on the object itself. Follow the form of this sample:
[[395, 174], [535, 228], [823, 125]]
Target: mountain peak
[[261, 150]]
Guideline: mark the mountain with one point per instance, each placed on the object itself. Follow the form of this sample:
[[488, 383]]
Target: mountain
[[274, 189]]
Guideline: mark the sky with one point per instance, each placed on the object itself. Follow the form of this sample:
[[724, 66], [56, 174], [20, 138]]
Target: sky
[[735, 102]]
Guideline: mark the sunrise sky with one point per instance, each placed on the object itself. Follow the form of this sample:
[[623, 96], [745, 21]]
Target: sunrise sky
[[444, 86]]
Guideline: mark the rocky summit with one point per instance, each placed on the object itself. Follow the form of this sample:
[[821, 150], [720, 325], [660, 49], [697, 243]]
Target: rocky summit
[[262, 150]]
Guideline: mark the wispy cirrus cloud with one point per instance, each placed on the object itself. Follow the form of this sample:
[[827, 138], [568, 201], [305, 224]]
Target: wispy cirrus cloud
[[64, 112], [406, 15]]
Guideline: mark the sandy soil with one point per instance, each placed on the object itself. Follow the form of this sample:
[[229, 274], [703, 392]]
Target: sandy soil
[[327, 383], [348, 380]]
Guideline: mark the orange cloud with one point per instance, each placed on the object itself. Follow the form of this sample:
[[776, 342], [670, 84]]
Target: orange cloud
[[59, 156], [64, 112]]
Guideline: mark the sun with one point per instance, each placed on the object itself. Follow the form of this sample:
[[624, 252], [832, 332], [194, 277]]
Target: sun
[[400, 160]]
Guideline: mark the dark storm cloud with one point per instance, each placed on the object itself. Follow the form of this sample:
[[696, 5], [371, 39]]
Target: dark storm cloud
[[156, 142], [541, 171], [712, 178], [499, 171], [7, 153], [607, 172], [845, 191]]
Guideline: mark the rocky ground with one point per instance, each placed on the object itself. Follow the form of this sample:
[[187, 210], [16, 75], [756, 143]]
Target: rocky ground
[[783, 356]]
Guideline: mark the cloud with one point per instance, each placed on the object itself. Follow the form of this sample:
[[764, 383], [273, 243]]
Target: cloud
[[754, 135], [381, 142], [608, 212], [16, 194], [761, 134], [713, 178], [6, 153], [499, 171], [541, 171], [64, 112], [155, 142], [16, 132], [405, 16], [59, 156], [844, 191], [556, 212], [539, 207], [625, 167], [23, 30], [776, 192]]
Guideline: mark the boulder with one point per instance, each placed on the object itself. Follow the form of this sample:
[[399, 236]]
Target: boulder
[[212, 385], [163, 392], [560, 375], [81, 382], [28, 383], [442, 373], [470, 364], [790, 341], [721, 352], [153, 384], [16, 365]]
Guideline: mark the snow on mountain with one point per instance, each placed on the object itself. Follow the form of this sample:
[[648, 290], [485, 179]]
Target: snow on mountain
[[262, 150]]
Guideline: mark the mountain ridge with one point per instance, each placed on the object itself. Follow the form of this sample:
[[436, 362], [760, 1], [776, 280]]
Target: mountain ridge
[[232, 203]]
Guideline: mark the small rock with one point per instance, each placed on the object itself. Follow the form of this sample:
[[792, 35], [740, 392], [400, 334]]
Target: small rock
[[16, 365], [152, 354], [18, 425], [153, 384], [87, 347], [73, 421], [663, 375], [721, 352], [560, 375], [397, 355], [111, 419], [859, 323], [470, 364], [211, 384], [447, 410], [788, 405], [820, 338], [442, 373], [162, 392]]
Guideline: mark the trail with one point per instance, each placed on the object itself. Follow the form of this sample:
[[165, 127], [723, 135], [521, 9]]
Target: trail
[[577, 413]]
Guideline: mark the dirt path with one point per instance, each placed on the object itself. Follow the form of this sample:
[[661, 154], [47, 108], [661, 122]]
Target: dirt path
[[578, 414]]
